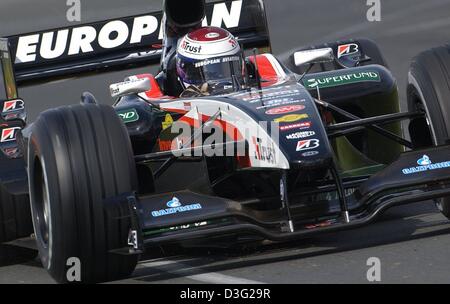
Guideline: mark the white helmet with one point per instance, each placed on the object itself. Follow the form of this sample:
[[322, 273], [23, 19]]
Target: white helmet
[[209, 55]]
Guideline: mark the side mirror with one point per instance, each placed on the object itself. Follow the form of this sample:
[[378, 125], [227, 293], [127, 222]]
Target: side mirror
[[130, 87], [313, 56]]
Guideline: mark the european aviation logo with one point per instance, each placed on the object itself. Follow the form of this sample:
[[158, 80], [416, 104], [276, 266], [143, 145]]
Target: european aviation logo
[[175, 206], [425, 164]]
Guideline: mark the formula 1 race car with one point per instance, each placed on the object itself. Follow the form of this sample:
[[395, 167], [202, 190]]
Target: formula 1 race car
[[306, 146]]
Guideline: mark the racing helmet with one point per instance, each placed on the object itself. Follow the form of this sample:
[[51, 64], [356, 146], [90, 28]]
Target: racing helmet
[[209, 55]]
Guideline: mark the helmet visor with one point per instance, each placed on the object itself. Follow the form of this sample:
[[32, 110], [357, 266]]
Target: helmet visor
[[211, 71]]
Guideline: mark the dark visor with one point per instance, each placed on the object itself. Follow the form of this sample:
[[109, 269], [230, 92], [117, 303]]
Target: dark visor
[[212, 70]]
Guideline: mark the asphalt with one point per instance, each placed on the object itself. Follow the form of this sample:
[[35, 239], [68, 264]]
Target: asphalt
[[411, 242]]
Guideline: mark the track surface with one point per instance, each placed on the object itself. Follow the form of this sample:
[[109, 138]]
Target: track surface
[[412, 242]]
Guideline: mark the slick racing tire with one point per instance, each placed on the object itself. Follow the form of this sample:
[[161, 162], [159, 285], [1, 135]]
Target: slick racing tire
[[15, 216], [79, 156], [429, 91]]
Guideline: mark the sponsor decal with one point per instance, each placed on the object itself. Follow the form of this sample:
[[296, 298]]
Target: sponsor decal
[[266, 90], [129, 115], [207, 62], [187, 106], [291, 118], [212, 35], [263, 152], [168, 121], [300, 135], [424, 161], [334, 81], [175, 206], [301, 126], [308, 144], [425, 164], [174, 203], [191, 48], [131, 85], [347, 49], [217, 60], [178, 227], [165, 145], [111, 35], [279, 102], [285, 109], [271, 95], [310, 153], [12, 105], [9, 134], [188, 226]]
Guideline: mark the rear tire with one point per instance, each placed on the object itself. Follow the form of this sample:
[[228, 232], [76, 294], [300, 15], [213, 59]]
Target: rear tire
[[78, 157], [429, 91]]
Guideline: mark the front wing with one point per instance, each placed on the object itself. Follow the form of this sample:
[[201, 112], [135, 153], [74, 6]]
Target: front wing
[[183, 216]]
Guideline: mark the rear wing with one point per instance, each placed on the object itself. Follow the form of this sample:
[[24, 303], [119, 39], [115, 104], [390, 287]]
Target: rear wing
[[123, 43]]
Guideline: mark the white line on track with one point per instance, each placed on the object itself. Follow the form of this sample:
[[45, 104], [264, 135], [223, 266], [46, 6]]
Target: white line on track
[[193, 273], [218, 278]]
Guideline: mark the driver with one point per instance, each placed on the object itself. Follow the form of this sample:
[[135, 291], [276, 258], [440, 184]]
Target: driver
[[209, 61]]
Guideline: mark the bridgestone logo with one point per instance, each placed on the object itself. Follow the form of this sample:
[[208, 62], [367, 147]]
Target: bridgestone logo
[[334, 81]]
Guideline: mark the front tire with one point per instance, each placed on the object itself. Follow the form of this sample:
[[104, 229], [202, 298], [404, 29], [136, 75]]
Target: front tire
[[79, 156], [429, 91]]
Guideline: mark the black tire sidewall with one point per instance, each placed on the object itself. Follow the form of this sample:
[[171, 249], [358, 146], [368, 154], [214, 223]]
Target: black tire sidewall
[[50, 257], [427, 86], [78, 165]]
